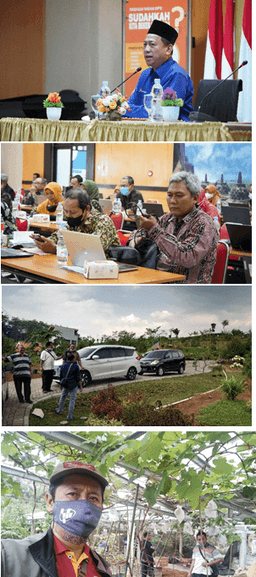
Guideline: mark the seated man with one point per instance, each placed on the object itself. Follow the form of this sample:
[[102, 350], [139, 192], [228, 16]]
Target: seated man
[[82, 218], [5, 186], [186, 236], [158, 49], [127, 193]]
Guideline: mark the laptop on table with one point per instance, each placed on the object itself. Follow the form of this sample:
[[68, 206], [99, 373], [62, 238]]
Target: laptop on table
[[240, 236], [236, 214], [82, 246]]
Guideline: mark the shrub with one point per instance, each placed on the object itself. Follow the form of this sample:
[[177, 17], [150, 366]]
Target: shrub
[[232, 387], [247, 366], [135, 410]]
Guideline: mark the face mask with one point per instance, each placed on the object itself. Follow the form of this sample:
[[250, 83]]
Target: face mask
[[74, 221], [50, 349], [51, 207], [77, 517], [208, 195], [250, 195], [124, 190]]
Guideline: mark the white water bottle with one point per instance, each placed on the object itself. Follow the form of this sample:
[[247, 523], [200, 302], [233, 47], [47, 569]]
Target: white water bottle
[[59, 213], [62, 251], [105, 90], [139, 210], [117, 206], [157, 93], [216, 224]]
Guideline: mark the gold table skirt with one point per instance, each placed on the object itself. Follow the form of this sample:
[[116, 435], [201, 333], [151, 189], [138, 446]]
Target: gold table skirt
[[37, 130]]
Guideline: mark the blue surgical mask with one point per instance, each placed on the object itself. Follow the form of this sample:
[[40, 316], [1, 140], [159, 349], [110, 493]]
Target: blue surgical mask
[[250, 195], [124, 190], [78, 517]]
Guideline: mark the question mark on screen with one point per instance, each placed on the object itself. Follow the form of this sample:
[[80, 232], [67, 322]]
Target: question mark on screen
[[180, 17]]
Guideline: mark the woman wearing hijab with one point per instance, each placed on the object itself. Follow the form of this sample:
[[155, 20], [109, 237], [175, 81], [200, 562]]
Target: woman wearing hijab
[[53, 193], [212, 194], [91, 187]]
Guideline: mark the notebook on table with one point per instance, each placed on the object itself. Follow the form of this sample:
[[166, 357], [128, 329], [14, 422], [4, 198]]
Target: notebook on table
[[82, 246]]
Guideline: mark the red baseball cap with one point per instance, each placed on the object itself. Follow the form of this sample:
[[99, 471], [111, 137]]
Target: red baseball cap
[[68, 468]]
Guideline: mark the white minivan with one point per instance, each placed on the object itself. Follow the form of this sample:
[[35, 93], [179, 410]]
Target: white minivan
[[105, 362]]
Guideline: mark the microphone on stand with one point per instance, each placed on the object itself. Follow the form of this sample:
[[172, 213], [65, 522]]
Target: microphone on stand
[[197, 115], [121, 83]]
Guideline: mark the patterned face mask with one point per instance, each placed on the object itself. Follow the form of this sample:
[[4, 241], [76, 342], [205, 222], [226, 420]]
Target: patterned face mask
[[77, 517]]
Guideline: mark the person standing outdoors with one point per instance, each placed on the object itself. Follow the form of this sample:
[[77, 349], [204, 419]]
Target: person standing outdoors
[[47, 359], [147, 550], [71, 373], [21, 373], [204, 557]]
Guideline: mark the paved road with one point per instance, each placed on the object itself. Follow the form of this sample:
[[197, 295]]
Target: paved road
[[17, 415]]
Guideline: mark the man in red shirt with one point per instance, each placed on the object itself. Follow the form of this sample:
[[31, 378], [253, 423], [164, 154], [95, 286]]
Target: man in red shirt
[[75, 500]]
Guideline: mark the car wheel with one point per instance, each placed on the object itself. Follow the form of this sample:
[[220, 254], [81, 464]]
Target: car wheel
[[160, 371], [131, 374], [85, 378], [181, 370]]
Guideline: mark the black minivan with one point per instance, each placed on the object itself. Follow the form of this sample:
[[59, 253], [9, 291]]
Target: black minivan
[[162, 361]]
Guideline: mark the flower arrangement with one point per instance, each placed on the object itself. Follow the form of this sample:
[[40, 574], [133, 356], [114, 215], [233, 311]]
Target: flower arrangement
[[114, 103], [169, 98], [53, 99]]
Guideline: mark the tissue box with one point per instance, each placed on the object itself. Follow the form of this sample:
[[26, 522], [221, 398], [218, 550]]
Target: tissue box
[[41, 218], [100, 269]]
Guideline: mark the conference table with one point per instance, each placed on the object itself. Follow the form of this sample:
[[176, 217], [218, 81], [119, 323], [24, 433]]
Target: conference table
[[126, 130], [44, 269]]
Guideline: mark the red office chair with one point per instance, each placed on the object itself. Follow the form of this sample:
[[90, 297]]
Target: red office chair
[[22, 224], [123, 237], [118, 220], [220, 268]]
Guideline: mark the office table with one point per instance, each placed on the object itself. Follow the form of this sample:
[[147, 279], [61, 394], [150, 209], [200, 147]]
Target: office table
[[44, 269], [38, 130], [49, 227]]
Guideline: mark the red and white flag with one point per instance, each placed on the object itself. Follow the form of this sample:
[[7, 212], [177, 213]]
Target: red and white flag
[[244, 112], [228, 41], [212, 64]]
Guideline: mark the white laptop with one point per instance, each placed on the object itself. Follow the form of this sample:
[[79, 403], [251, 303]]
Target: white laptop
[[106, 205], [82, 246]]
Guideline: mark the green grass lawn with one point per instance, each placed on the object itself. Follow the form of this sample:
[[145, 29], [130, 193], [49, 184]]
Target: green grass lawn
[[224, 412], [167, 390]]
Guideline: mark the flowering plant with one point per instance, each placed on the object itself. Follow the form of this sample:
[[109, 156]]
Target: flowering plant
[[113, 103], [53, 99], [169, 98]]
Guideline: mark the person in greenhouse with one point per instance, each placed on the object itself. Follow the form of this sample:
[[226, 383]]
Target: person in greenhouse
[[204, 557], [75, 500]]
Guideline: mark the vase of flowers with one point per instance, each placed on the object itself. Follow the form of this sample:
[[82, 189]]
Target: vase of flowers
[[171, 105], [53, 106], [112, 107]]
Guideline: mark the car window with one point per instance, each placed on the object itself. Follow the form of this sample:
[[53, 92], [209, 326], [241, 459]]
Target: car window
[[86, 351], [168, 355], [117, 352], [103, 353], [175, 354], [157, 354], [129, 352]]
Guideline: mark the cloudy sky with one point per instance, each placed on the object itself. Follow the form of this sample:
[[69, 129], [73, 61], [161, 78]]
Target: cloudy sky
[[225, 158], [101, 310]]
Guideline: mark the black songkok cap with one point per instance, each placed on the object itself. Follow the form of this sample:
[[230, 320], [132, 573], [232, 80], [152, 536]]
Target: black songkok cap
[[164, 30]]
